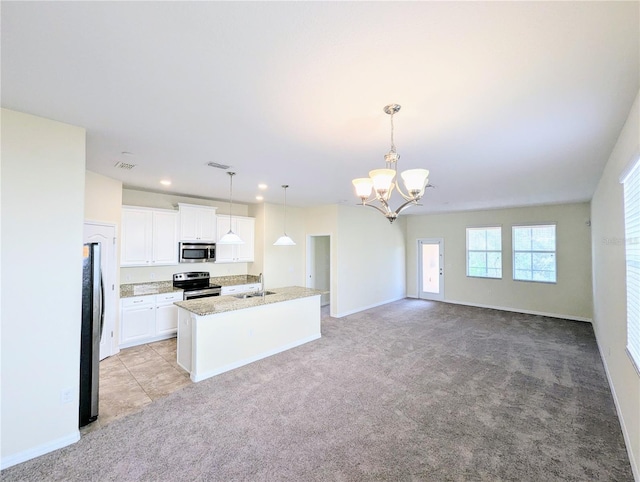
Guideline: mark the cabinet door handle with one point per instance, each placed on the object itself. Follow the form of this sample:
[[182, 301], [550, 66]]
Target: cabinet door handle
[[138, 301]]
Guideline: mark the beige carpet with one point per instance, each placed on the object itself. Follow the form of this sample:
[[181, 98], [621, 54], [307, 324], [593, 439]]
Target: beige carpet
[[413, 390]]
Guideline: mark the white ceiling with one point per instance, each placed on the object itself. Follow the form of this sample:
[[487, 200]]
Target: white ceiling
[[507, 103]]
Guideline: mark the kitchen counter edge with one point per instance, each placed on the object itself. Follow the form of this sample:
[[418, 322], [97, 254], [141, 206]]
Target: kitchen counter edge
[[130, 290], [221, 304]]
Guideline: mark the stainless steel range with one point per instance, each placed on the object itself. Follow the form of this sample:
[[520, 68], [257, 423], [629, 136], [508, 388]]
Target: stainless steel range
[[196, 284]]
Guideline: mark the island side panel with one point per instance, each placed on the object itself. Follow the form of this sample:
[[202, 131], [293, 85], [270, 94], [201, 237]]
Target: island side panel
[[184, 341], [224, 341]]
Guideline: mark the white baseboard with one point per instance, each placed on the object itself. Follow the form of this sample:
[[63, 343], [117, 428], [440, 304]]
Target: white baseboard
[[34, 452], [627, 441], [152, 339], [197, 377], [518, 310], [358, 310]]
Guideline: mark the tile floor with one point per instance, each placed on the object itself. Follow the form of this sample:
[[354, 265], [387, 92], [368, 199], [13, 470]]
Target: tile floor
[[134, 378]]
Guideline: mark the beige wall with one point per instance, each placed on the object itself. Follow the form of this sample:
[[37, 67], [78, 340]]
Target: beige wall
[[323, 220], [283, 265], [367, 256], [609, 284], [370, 259], [257, 211], [570, 297], [43, 176], [103, 199]]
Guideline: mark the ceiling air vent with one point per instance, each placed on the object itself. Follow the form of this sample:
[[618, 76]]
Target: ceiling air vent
[[218, 166], [124, 165]]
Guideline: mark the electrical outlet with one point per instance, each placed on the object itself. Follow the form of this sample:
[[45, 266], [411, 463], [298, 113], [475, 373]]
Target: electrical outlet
[[66, 396], [152, 275], [128, 277]]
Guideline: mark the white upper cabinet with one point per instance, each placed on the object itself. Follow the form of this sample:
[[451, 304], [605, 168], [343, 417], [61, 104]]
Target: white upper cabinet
[[149, 237], [236, 253], [197, 223], [165, 242]]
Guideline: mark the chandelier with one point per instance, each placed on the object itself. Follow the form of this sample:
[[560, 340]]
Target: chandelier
[[383, 181]]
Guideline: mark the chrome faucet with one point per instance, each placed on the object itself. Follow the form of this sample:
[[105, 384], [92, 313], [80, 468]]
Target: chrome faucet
[[261, 280]]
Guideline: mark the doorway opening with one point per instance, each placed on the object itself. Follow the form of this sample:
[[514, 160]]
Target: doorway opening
[[319, 265], [431, 268]]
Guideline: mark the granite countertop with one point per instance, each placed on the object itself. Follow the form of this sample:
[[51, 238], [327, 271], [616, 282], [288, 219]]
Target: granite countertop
[[159, 287], [142, 289], [238, 279], [221, 304]]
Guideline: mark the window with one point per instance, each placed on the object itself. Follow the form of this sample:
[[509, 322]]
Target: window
[[631, 183], [534, 253], [484, 252]]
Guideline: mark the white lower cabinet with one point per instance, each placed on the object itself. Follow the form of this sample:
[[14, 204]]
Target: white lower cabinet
[[144, 319], [137, 319], [167, 313], [237, 289]]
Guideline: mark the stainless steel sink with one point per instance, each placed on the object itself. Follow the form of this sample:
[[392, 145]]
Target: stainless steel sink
[[254, 294]]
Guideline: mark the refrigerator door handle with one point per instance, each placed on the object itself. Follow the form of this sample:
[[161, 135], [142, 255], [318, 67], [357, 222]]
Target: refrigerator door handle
[[101, 306]]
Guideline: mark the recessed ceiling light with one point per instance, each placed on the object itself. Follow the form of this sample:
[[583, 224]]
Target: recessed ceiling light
[[262, 186], [259, 198], [165, 182]]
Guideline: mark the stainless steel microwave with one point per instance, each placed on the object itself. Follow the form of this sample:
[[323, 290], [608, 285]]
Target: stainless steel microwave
[[197, 252]]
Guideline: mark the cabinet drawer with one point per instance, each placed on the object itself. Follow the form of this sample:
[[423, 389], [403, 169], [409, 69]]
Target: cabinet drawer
[[169, 297], [137, 301]]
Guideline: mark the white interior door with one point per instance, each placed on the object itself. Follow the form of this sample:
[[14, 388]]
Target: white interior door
[[105, 234], [431, 268]]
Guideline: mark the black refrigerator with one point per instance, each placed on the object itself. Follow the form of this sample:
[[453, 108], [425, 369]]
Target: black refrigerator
[[92, 321]]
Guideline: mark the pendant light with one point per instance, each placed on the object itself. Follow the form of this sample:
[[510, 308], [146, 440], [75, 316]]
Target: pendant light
[[285, 240], [230, 237]]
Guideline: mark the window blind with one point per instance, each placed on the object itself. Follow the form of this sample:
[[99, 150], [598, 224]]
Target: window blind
[[632, 254]]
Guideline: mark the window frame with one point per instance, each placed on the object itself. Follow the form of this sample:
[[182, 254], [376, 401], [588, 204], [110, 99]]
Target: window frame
[[632, 258], [532, 251], [490, 226]]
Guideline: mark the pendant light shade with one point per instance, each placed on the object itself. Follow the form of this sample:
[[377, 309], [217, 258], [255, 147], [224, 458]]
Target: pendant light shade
[[285, 240], [230, 237]]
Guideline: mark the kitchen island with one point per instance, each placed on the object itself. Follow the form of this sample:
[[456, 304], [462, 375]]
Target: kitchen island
[[220, 333]]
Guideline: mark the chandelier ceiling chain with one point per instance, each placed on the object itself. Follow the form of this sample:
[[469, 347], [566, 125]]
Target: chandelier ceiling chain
[[384, 181]]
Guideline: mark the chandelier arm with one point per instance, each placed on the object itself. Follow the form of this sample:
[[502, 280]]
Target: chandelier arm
[[405, 196], [404, 206], [371, 198], [379, 209]]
